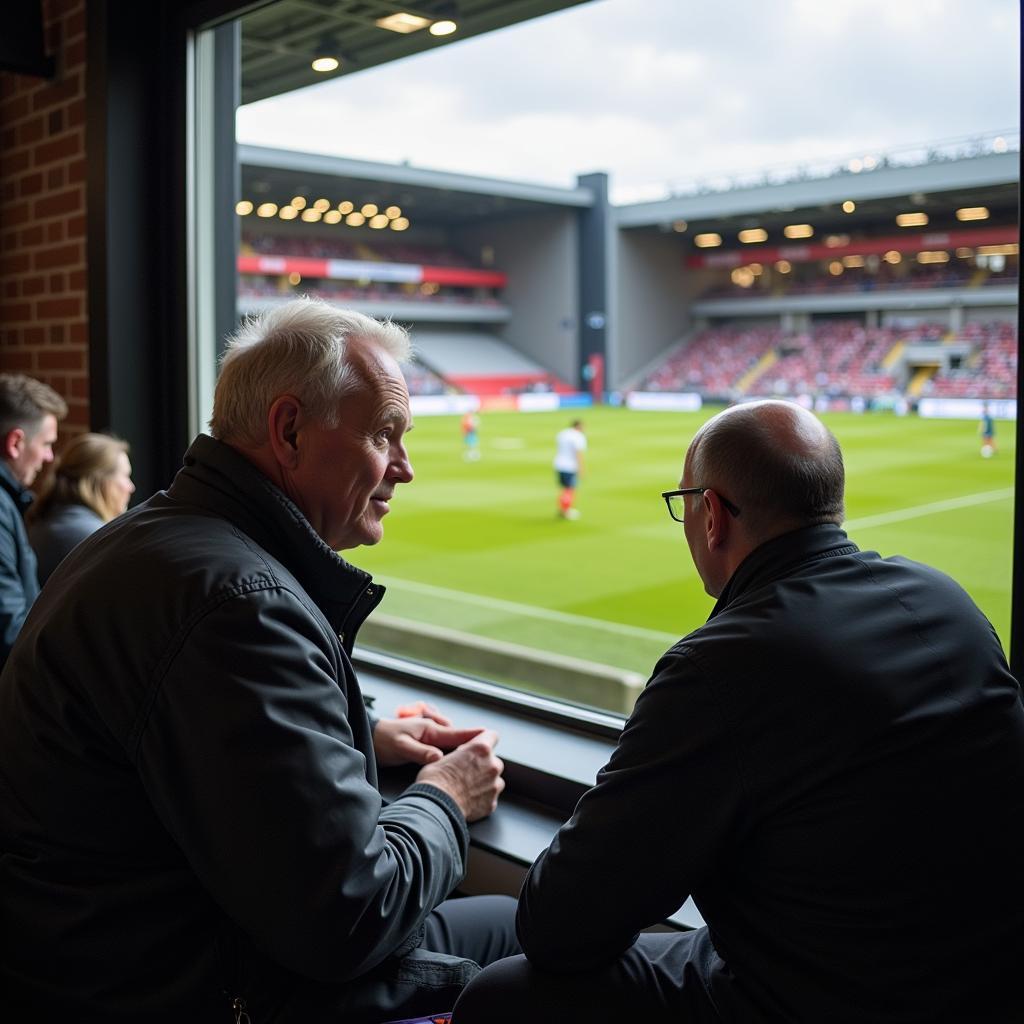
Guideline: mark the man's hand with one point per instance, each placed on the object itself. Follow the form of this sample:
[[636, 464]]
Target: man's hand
[[470, 775], [416, 740]]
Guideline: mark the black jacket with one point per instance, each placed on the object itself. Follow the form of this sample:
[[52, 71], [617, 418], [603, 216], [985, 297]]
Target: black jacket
[[833, 767], [188, 801], [18, 584]]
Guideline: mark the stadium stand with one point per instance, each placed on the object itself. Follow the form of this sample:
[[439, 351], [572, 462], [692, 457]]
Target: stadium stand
[[989, 372]]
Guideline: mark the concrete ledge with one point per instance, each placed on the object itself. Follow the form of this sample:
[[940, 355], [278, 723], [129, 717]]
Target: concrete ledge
[[556, 675]]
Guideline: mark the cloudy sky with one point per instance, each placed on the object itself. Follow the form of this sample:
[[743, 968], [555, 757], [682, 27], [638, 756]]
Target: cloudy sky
[[666, 93]]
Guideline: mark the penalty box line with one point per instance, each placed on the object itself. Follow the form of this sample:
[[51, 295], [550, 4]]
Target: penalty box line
[[917, 511]]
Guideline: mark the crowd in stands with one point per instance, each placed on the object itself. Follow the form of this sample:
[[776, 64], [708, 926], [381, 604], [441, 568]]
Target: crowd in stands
[[989, 372], [422, 381], [260, 287], [837, 358], [383, 250]]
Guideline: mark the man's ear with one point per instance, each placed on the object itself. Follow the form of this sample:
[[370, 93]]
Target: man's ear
[[716, 520], [14, 442], [283, 426]]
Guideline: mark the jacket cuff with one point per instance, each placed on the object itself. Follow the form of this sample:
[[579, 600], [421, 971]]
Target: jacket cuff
[[439, 796]]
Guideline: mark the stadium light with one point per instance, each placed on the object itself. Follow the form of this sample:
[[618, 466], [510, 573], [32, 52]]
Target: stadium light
[[798, 230], [379, 220], [402, 22], [355, 219], [446, 13], [288, 213], [751, 235], [345, 206], [849, 206], [299, 202], [311, 215], [399, 224], [853, 261], [911, 220], [972, 213], [332, 217], [393, 212], [835, 268], [243, 208], [325, 64], [323, 205], [266, 210], [783, 266], [892, 257], [369, 210], [933, 257], [679, 226], [707, 241]]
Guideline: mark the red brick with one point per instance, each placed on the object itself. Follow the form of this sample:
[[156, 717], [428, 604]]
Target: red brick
[[61, 359], [74, 25], [33, 235], [79, 387], [15, 311], [78, 280], [8, 193], [58, 383], [31, 184], [76, 226], [31, 131], [69, 201], [58, 256], [56, 334], [59, 149], [9, 139], [55, 122], [78, 333], [16, 361], [52, 94], [16, 213], [11, 290], [55, 178], [14, 162], [77, 417], [35, 336], [14, 107], [74, 114], [56, 284], [74, 53], [76, 171], [58, 309], [33, 285], [14, 263]]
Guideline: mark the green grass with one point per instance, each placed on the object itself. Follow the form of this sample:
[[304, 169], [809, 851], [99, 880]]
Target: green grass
[[477, 547]]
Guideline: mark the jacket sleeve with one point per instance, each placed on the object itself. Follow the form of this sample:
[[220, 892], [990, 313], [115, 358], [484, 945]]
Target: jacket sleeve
[[642, 838], [14, 603], [248, 758]]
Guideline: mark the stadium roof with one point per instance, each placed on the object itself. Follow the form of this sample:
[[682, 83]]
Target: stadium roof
[[425, 196], [879, 196], [281, 40]]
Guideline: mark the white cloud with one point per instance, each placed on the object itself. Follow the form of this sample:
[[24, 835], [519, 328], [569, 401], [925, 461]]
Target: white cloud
[[657, 91]]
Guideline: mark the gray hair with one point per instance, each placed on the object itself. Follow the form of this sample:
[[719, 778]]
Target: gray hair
[[779, 463], [298, 348]]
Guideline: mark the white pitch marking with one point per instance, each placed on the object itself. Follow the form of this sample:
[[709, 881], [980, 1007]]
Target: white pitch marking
[[917, 511], [514, 608]]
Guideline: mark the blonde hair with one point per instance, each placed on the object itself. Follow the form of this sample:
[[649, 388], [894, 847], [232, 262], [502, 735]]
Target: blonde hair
[[81, 475], [299, 348]]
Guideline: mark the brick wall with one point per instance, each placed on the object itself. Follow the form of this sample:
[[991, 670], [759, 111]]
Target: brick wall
[[43, 311]]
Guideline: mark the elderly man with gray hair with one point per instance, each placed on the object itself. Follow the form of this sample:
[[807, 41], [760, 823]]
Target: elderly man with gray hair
[[832, 767], [190, 824]]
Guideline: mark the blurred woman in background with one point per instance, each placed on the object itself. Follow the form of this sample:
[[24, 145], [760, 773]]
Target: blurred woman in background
[[90, 483]]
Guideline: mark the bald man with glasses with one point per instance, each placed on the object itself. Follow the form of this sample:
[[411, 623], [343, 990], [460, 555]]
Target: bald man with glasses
[[832, 767]]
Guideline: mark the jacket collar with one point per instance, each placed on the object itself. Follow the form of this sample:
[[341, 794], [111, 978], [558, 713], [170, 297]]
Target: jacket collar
[[21, 495], [780, 556], [217, 477]]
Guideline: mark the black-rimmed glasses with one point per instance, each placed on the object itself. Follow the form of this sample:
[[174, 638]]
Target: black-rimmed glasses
[[674, 501]]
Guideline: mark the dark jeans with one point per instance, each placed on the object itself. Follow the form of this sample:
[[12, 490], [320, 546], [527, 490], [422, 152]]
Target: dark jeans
[[459, 938], [657, 979]]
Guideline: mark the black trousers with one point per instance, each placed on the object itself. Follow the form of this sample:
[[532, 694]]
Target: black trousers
[[459, 937], [657, 979]]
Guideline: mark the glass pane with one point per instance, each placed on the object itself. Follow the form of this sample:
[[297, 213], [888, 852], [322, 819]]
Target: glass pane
[[630, 215]]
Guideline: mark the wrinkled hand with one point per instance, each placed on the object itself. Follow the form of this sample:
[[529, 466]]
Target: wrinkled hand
[[470, 775], [416, 740]]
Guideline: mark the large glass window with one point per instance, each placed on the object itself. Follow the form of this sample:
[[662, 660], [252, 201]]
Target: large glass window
[[629, 214]]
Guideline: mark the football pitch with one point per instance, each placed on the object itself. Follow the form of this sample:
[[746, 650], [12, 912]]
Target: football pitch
[[477, 546]]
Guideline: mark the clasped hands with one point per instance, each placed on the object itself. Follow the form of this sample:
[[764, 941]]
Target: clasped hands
[[461, 762]]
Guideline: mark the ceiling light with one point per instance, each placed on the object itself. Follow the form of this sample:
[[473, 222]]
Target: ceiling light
[[835, 268], [752, 235], [783, 266], [266, 210], [243, 208], [311, 216], [893, 257], [288, 213], [1007, 249], [933, 257], [707, 241], [911, 220], [380, 220], [392, 212], [345, 206], [445, 27], [399, 224], [355, 219], [849, 206], [837, 241], [332, 217], [322, 205], [295, 277], [369, 210], [679, 226], [853, 261], [402, 22], [299, 202], [972, 213], [798, 231], [325, 64], [965, 252]]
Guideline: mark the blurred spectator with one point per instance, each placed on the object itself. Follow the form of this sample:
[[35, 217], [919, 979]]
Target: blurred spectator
[[29, 411], [90, 484]]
